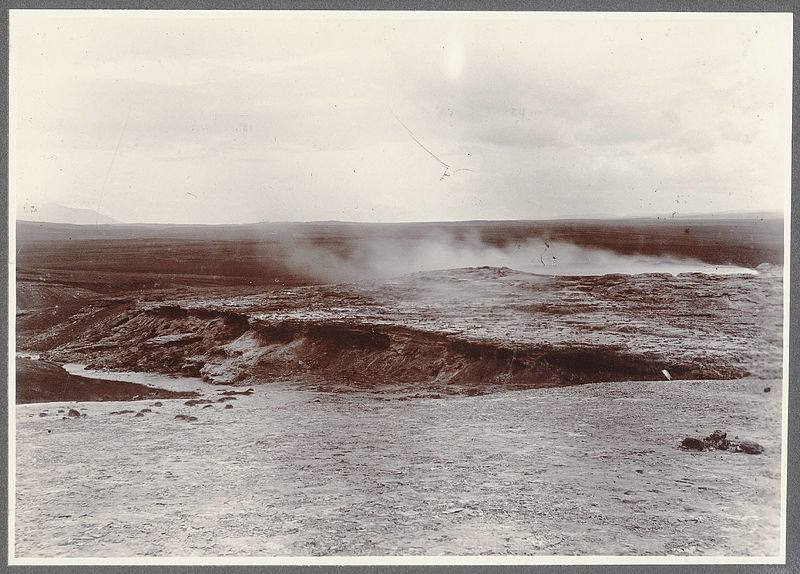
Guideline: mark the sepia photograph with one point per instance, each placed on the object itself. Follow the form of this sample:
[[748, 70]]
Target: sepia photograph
[[402, 287]]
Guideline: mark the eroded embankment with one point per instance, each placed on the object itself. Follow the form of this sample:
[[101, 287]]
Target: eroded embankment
[[39, 381], [230, 348]]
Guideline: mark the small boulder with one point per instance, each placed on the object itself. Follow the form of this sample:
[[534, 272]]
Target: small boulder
[[193, 402], [718, 440], [749, 447], [186, 418], [157, 404], [139, 414], [191, 370], [42, 414], [207, 406], [73, 413], [247, 392], [693, 443], [228, 406], [767, 389]]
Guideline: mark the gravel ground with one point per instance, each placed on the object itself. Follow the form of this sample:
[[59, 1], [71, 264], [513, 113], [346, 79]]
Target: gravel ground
[[586, 470]]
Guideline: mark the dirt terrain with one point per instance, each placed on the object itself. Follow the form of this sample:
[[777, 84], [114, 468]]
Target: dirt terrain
[[484, 409], [584, 470]]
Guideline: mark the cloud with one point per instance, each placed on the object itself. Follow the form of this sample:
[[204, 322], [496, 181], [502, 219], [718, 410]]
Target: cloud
[[288, 116]]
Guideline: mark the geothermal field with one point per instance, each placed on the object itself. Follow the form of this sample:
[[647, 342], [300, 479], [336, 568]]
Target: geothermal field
[[460, 389]]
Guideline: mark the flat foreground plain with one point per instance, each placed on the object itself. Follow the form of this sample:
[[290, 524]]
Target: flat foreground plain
[[581, 470]]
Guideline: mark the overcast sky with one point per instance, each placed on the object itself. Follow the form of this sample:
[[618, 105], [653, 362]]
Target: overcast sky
[[226, 118]]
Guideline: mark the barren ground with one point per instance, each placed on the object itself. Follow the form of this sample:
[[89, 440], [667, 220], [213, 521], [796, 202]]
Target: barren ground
[[476, 410], [590, 469]]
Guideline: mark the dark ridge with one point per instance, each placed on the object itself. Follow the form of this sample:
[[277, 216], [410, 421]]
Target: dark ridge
[[351, 355], [44, 382], [279, 333], [362, 336], [169, 312], [482, 351], [170, 338], [235, 323]]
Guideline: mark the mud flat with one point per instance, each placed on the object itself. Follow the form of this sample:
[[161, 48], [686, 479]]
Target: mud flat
[[592, 469]]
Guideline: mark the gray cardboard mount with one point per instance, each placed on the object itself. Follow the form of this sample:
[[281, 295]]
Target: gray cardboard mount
[[793, 563]]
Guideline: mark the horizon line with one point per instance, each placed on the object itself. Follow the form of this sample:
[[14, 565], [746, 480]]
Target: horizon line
[[765, 214]]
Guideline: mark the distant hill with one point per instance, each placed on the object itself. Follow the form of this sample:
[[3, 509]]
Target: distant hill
[[722, 215], [55, 213]]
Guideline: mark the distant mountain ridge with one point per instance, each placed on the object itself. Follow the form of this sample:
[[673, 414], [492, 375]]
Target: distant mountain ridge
[[56, 213]]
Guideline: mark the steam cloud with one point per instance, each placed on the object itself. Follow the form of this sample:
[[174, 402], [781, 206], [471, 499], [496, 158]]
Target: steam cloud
[[381, 258]]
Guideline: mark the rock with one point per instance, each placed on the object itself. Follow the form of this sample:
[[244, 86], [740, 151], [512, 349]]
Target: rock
[[145, 411], [718, 440], [191, 369], [193, 402], [223, 399], [749, 447], [42, 414], [767, 389], [186, 418], [208, 406], [228, 406], [120, 412], [73, 413], [139, 414], [693, 443], [157, 404]]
